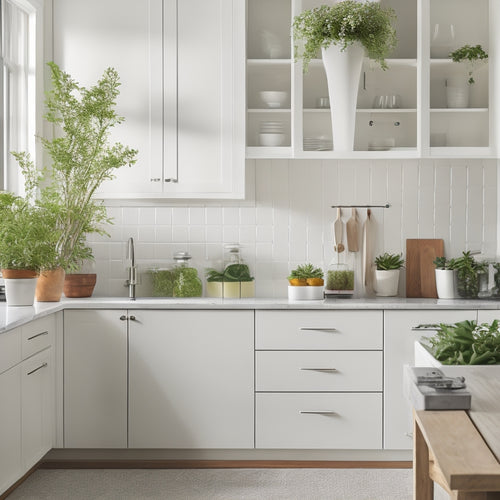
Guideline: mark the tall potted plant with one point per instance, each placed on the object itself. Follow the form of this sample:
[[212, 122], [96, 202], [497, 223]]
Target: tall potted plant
[[344, 32], [445, 277], [82, 158]]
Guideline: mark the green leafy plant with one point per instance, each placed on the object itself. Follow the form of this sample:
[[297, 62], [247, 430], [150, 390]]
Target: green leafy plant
[[471, 56], [343, 24], [340, 280], [465, 343], [441, 263], [82, 159], [468, 270], [306, 271], [388, 261], [232, 273]]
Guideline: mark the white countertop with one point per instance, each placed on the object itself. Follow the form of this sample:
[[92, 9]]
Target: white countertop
[[11, 317]]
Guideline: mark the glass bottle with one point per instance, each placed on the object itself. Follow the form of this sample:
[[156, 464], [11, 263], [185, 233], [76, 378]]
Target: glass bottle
[[186, 280], [339, 279]]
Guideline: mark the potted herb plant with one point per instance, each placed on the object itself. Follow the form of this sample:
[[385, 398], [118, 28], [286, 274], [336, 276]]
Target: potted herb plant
[[344, 32], [82, 158], [306, 283], [445, 278], [387, 274], [457, 87], [467, 275]]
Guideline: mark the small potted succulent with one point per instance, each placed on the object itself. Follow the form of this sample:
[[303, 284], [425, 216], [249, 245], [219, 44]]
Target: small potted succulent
[[387, 274], [306, 283], [445, 278]]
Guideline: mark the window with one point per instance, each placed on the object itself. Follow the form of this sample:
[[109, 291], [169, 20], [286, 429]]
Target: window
[[21, 84]]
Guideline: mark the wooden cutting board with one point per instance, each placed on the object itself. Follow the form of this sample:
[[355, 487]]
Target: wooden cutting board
[[420, 276]]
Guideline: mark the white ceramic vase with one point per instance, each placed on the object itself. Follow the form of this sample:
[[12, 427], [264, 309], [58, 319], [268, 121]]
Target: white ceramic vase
[[20, 292], [445, 283], [457, 92], [343, 69], [386, 282]]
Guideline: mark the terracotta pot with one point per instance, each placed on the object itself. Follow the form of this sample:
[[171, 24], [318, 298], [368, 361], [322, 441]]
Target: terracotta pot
[[19, 273], [79, 285], [50, 285]]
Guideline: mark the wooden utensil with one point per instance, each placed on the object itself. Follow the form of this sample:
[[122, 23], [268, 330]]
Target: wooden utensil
[[368, 241], [338, 229], [352, 229], [420, 275]]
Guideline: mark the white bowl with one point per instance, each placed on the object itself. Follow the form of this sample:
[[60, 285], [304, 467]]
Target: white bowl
[[273, 98], [305, 292], [271, 140]]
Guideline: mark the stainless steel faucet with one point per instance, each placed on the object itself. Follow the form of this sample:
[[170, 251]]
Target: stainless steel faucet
[[131, 269]]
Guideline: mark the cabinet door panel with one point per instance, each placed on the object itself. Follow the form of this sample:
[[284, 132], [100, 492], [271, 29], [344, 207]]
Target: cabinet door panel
[[95, 379], [93, 35], [191, 379], [10, 427], [37, 389], [399, 339]]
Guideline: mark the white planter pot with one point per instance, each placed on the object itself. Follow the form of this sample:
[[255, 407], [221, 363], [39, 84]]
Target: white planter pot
[[457, 92], [386, 283], [20, 292], [343, 69], [445, 283], [305, 292]]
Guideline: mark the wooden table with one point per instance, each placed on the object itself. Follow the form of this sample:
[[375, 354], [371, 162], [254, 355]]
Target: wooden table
[[460, 450]]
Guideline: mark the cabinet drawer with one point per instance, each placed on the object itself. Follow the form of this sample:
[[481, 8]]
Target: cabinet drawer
[[10, 349], [342, 421], [281, 371], [37, 335], [318, 330]]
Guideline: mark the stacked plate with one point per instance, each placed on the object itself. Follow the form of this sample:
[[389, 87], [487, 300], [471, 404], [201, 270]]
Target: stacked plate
[[321, 143], [271, 133]]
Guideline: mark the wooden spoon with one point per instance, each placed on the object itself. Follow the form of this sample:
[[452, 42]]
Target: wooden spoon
[[338, 229], [352, 228]]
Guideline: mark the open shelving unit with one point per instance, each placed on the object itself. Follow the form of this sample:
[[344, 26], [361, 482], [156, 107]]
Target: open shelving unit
[[422, 126]]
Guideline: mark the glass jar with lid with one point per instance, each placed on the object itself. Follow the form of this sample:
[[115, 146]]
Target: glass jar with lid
[[339, 280], [238, 282], [180, 279]]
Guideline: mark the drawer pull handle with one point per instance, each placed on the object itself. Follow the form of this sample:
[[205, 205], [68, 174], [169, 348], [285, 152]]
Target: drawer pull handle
[[318, 412], [36, 369], [332, 370], [316, 329], [424, 328], [38, 335]]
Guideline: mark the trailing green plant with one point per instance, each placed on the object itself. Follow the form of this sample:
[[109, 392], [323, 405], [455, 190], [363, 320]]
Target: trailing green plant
[[82, 159], [466, 343], [343, 24], [471, 56], [388, 261], [306, 271]]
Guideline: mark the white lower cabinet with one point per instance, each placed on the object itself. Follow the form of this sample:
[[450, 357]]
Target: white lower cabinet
[[318, 379], [95, 379], [37, 407], [11, 468], [191, 382], [401, 330]]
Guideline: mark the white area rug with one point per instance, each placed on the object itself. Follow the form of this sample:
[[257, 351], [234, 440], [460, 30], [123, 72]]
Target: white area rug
[[215, 484]]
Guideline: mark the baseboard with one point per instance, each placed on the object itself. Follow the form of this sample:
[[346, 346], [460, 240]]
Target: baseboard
[[7, 492]]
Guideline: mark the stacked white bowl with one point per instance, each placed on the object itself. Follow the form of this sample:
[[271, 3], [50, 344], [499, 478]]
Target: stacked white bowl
[[271, 133], [273, 98]]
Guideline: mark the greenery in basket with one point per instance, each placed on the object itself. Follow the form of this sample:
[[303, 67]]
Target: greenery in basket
[[343, 24], [82, 159], [388, 261], [471, 56], [306, 274], [466, 343]]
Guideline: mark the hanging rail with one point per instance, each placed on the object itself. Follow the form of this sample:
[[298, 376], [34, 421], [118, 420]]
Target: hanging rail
[[387, 205]]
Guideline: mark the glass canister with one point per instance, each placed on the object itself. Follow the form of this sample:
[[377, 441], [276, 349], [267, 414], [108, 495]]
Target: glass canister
[[177, 280], [238, 282], [339, 280]]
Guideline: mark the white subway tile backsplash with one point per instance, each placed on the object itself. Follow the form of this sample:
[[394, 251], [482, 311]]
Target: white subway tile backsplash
[[291, 220]]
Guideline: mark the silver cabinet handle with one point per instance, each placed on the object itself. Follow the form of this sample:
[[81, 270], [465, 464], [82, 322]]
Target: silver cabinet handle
[[155, 179], [317, 329], [38, 335], [132, 318], [123, 317], [318, 412], [39, 368], [332, 370], [424, 328], [171, 180]]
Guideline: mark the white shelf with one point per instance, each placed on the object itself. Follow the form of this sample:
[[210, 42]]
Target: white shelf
[[269, 110], [268, 152], [390, 62], [386, 110], [459, 110], [269, 62]]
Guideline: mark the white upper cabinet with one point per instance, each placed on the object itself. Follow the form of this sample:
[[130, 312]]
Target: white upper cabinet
[[181, 66], [402, 112]]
